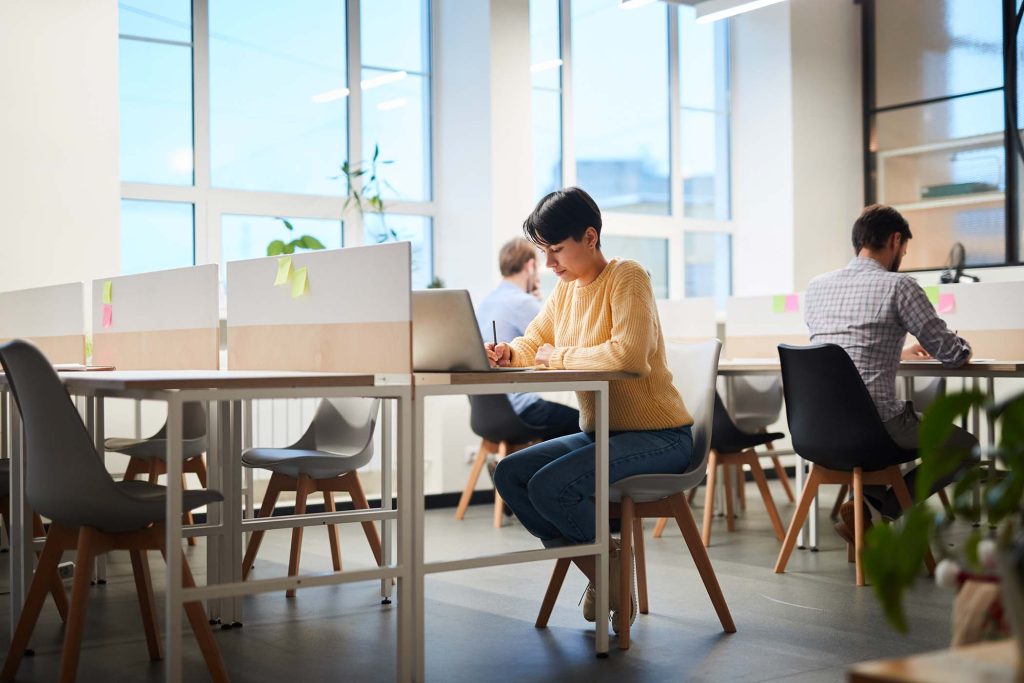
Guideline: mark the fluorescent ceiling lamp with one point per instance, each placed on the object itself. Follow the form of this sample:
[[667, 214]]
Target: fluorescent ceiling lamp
[[388, 105], [545, 66], [633, 4], [377, 81], [330, 95], [713, 10]]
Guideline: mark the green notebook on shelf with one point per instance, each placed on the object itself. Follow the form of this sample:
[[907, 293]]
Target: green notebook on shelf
[[955, 189]]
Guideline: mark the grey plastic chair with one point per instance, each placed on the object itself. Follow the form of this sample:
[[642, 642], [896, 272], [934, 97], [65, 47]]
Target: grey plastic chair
[[756, 404], [91, 513], [149, 455], [338, 442], [694, 368]]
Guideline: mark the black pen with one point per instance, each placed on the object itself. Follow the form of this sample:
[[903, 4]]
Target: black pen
[[494, 331]]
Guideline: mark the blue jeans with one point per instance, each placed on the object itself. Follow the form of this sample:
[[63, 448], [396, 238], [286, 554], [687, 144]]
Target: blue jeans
[[550, 486], [556, 419]]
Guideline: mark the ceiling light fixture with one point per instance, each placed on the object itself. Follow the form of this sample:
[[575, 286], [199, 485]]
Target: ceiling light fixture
[[330, 95], [714, 10], [545, 66], [633, 4], [377, 81]]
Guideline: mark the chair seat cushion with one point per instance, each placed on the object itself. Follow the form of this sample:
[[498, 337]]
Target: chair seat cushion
[[293, 462], [647, 488], [138, 505], [154, 448], [741, 442]]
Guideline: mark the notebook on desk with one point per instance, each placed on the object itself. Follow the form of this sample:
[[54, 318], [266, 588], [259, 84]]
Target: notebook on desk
[[445, 336]]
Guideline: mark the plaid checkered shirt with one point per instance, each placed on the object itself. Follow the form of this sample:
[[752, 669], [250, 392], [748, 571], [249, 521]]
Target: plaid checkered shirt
[[868, 310]]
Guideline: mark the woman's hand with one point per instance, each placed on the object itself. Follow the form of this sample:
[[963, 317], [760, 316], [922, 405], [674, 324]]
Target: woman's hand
[[498, 355], [544, 355], [915, 352]]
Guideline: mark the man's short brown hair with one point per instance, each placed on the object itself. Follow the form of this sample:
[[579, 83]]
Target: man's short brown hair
[[875, 225], [514, 256]]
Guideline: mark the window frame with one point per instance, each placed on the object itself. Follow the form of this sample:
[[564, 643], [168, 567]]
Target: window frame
[[674, 226], [210, 203]]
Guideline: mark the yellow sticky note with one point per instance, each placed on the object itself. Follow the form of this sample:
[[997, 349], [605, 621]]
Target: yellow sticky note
[[300, 285], [108, 292], [932, 293], [779, 304], [284, 269]]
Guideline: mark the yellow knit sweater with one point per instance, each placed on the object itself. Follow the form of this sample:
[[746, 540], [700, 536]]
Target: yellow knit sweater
[[610, 324]]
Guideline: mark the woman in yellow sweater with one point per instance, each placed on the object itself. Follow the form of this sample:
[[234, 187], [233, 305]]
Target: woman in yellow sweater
[[601, 316]]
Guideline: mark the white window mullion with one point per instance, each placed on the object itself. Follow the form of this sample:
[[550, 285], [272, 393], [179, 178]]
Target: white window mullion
[[675, 125], [353, 221], [205, 231], [568, 149]]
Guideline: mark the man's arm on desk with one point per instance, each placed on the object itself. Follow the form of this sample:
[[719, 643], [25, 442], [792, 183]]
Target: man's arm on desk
[[920, 319]]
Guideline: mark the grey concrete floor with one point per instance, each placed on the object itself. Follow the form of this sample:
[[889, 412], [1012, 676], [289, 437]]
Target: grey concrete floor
[[807, 625]]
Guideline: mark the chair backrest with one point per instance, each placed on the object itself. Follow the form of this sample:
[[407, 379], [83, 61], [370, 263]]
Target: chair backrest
[[343, 426], [492, 417], [724, 431], [694, 368], [193, 422], [64, 476], [832, 419], [756, 401]]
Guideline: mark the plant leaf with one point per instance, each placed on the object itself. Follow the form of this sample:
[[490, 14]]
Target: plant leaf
[[289, 248], [892, 558], [938, 460], [310, 242], [275, 248]]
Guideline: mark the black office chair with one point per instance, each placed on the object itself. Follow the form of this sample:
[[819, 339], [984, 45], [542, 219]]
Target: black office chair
[[733, 447], [836, 426], [502, 433], [91, 514]]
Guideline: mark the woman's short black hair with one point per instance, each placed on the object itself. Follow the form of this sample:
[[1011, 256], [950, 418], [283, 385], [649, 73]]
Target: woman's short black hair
[[875, 225], [563, 214]]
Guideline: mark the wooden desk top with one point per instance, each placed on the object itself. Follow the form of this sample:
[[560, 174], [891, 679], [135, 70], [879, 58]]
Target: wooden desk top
[[524, 377], [122, 380], [982, 663]]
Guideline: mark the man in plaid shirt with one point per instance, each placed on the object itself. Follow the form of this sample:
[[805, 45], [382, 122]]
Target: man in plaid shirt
[[868, 308]]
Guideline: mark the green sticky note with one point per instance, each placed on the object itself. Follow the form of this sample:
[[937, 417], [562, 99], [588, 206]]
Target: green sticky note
[[779, 303], [108, 292], [932, 293], [300, 285], [284, 270], [88, 348]]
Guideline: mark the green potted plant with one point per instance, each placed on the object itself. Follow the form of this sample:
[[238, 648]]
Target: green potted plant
[[364, 191], [279, 247], [893, 554]]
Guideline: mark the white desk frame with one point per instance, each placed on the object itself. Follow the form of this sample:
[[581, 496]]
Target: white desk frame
[[444, 384], [224, 529]]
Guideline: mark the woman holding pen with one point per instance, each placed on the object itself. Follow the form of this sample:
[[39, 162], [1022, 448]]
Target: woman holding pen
[[601, 316]]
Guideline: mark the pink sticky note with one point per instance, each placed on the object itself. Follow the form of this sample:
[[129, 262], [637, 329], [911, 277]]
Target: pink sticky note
[[108, 315], [947, 303], [792, 303]]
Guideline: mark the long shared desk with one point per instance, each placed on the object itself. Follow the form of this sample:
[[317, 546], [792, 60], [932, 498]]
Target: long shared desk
[[227, 393]]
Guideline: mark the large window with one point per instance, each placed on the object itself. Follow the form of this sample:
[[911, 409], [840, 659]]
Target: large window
[[938, 149], [631, 102], [234, 114]]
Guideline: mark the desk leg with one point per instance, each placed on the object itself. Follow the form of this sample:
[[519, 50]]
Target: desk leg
[[249, 484], [800, 476], [386, 454], [21, 519], [173, 554], [602, 531], [410, 558], [232, 473], [216, 542], [99, 439]]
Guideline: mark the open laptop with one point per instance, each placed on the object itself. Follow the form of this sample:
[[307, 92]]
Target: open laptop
[[445, 335]]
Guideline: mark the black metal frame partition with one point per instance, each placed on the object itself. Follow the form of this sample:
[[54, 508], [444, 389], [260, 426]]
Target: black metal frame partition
[[1013, 145]]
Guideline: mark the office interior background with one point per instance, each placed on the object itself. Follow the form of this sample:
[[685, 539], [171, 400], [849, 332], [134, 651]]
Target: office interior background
[[728, 158]]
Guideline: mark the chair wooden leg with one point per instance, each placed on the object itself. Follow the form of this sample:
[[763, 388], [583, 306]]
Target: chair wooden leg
[[946, 505], [659, 526], [303, 488], [198, 468], [266, 510], [39, 586], [155, 470], [766, 495], [499, 504], [709, 497], [844, 491], [332, 530], [85, 553], [625, 572], [730, 515], [799, 516], [850, 554], [899, 487], [551, 595], [60, 598], [641, 562], [136, 466], [359, 502], [780, 472], [688, 527], [200, 626], [474, 476], [186, 518], [147, 604], [858, 522], [691, 496], [741, 488]]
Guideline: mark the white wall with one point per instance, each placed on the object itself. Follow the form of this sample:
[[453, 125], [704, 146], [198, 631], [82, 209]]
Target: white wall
[[59, 185]]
